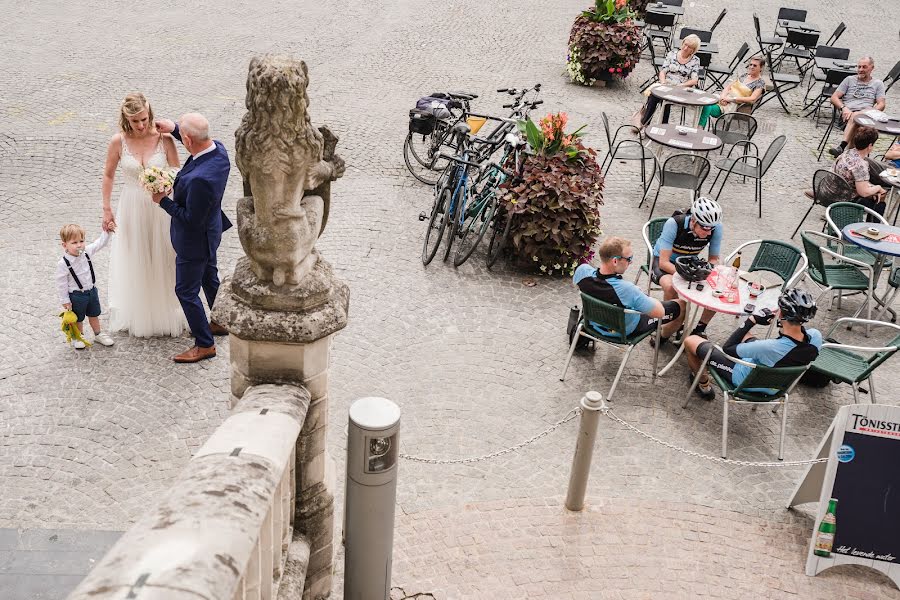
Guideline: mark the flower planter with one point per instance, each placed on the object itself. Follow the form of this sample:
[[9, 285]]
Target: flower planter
[[604, 44]]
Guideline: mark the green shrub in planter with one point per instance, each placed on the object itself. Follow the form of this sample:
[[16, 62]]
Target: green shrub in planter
[[556, 203], [604, 43]]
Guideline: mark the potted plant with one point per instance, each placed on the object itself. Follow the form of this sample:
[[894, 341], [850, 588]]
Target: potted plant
[[604, 44], [554, 207]]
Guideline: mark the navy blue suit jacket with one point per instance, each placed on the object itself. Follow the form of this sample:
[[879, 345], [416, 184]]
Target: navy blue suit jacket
[[196, 204]]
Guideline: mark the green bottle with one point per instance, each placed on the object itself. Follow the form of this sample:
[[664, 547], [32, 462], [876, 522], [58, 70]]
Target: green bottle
[[827, 528]]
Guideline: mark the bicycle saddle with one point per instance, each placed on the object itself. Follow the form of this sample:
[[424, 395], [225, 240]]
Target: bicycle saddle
[[461, 129], [462, 95]]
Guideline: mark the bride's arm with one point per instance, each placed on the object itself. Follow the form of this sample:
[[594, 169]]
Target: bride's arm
[[113, 153], [171, 151]]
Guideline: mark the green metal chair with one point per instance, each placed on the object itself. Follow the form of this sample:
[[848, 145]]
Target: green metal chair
[[846, 274], [780, 380], [775, 257], [841, 214], [843, 363], [651, 231], [611, 318]]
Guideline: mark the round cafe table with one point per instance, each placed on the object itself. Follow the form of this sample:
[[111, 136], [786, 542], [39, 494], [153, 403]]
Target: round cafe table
[[687, 97], [685, 138], [881, 248], [699, 300], [890, 127]]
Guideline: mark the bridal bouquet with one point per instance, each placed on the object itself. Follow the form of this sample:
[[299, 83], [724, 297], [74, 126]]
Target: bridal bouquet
[[156, 180]]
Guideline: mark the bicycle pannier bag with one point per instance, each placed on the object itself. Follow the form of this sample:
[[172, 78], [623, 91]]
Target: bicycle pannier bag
[[421, 122]]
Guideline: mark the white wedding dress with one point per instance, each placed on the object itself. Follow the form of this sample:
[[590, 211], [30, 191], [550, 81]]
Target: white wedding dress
[[141, 286]]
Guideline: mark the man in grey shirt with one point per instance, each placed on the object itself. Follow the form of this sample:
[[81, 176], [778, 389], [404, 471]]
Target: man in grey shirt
[[857, 93]]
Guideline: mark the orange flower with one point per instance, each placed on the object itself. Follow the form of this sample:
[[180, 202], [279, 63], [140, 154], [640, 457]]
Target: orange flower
[[620, 4]]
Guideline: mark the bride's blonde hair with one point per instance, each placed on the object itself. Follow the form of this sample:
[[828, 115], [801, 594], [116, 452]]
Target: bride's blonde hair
[[132, 105]]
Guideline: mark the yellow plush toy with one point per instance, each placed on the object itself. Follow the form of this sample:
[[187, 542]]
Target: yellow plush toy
[[69, 327]]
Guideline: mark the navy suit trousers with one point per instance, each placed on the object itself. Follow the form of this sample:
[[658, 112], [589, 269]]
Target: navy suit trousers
[[190, 277]]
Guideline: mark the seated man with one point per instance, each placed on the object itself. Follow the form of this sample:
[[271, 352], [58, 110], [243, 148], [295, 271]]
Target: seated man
[[855, 94], [893, 155], [794, 347], [861, 172], [606, 284], [687, 234]]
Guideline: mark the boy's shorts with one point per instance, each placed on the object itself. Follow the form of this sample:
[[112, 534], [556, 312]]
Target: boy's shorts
[[86, 303]]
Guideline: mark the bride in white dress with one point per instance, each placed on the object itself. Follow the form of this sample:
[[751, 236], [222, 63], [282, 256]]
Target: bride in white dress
[[141, 284]]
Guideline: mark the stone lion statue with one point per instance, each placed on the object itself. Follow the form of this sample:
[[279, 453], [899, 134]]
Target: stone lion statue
[[287, 166]]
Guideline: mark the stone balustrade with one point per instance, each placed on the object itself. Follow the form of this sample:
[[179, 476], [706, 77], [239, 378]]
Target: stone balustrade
[[226, 528]]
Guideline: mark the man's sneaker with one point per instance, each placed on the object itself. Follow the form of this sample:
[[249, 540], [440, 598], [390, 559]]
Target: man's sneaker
[[836, 151], [809, 194], [707, 393], [78, 345], [104, 339], [701, 332]]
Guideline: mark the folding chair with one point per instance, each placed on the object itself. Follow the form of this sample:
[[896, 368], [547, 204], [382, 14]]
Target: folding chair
[[597, 313], [799, 47], [717, 75], [704, 34], [838, 32], [749, 165], [787, 14], [656, 62], [659, 26], [651, 231], [766, 44], [781, 84], [842, 363], [892, 77], [824, 51], [832, 122], [830, 83], [779, 381], [718, 20]]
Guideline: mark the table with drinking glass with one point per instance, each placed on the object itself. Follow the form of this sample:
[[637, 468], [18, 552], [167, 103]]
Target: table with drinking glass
[[882, 249], [699, 300]]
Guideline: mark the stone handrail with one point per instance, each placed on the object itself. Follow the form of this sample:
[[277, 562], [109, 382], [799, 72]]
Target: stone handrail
[[224, 529]]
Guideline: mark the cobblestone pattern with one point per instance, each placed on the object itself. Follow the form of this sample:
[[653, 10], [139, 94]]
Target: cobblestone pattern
[[91, 438]]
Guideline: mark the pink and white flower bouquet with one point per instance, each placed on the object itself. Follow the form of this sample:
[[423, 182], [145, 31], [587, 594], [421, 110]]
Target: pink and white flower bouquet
[[156, 180]]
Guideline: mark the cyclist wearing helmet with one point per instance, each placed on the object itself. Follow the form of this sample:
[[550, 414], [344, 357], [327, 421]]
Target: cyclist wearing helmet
[[687, 234], [795, 346], [606, 283]]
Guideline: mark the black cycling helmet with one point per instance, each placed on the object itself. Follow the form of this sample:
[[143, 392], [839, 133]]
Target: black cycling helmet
[[692, 268], [797, 306]]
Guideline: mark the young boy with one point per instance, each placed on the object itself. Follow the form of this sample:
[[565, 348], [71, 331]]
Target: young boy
[[75, 281]]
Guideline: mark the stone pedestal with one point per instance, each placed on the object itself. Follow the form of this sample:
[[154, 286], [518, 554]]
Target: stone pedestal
[[272, 345]]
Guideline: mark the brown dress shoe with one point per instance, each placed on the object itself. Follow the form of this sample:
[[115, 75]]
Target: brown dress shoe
[[217, 329], [195, 354]]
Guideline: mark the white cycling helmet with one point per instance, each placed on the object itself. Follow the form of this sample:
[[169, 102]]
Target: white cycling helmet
[[706, 211]]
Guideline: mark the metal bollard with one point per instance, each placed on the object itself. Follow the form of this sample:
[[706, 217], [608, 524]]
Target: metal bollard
[[592, 403]]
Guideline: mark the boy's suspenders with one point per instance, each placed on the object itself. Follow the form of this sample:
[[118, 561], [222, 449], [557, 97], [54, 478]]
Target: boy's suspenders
[[75, 277]]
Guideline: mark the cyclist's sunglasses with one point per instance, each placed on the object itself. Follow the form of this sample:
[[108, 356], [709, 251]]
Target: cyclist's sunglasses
[[704, 227], [628, 258]]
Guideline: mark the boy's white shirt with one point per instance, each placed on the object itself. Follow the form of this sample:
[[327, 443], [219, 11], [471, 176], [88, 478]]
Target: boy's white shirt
[[65, 283]]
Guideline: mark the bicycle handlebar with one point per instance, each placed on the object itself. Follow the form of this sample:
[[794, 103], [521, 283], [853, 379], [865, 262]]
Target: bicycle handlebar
[[459, 160]]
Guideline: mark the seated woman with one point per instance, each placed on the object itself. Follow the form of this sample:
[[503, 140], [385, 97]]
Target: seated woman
[[739, 95], [860, 171], [681, 68]]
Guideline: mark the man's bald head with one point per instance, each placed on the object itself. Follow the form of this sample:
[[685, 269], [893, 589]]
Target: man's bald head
[[195, 126]]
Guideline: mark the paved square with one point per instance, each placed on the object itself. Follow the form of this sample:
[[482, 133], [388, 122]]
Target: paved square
[[88, 439]]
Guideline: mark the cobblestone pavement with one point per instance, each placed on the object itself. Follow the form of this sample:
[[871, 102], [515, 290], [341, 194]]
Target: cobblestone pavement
[[473, 357]]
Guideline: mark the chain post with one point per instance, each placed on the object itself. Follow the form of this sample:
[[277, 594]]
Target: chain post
[[591, 404]]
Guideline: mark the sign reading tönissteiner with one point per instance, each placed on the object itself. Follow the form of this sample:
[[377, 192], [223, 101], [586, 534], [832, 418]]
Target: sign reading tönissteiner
[[858, 490]]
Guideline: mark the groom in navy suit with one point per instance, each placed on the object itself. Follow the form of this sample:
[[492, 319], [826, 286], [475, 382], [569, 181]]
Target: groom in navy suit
[[197, 225]]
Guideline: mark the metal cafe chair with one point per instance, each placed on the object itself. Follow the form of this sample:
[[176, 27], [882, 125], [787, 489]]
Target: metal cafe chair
[[780, 381], [819, 75], [658, 26], [626, 149], [776, 257], [734, 127], [749, 165], [838, 32], [765, 43], [656, 62], [892, 77], [828, 188], [718, 19], [704, 34], [798, 46], [611, 318], [833, 79], [682, 171], [781, 84]]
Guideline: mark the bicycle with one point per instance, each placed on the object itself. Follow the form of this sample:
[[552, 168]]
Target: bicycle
[[428, 134], [479, 216]]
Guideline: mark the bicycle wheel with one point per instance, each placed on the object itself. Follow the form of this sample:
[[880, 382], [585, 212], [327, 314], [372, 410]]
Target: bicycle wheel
[[454, 215], [418, 168], [499, 236], [436, 224], [475, 229]]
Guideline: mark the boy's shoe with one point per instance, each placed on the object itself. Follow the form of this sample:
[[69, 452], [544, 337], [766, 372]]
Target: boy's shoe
[[78, 345], [104, 339], [836, 151]]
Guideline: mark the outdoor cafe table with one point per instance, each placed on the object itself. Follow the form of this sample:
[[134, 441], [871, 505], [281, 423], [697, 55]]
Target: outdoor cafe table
[[698, 300], [892, 178], [665, 9], [801, 25], [890, 127], [880, 248], [692, 139], [688, 97], [836, 64]]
